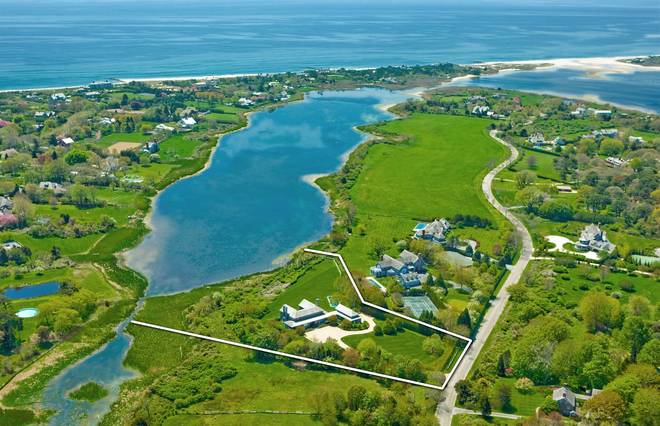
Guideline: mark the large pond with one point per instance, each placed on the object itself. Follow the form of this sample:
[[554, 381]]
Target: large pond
[[253, 205]]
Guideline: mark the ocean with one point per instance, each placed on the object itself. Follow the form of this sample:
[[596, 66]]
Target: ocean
[[46, 43]]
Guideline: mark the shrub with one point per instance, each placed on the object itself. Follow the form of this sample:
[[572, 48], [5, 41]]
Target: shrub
[[524, 385]]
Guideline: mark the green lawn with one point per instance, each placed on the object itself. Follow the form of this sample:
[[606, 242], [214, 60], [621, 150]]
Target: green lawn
[[112, 138], [241, 420], [407, 343], [437, 173], [223, 117], [315, 285], [177, 146], [524, 404], [544, 164]]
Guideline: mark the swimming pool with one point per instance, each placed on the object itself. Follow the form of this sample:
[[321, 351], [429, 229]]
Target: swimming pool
[[420, 226], [27, 313]]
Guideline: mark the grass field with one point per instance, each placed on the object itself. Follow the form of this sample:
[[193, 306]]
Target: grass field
[[407, 343], [544, 167], [315, 285], [241, 420], [437, 173], [177, 146], [524, 404], [108, 140]]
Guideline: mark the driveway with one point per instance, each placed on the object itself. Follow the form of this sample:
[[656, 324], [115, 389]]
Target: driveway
[[445, 409], [322, 334], [559, 243]]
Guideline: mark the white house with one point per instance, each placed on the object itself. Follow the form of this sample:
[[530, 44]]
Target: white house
[[579, 112], [480, 110], [9, 245], [164, 128], [66, 141], [593, 238], [245, 102], [187, 122], [52, 186], [106, 121], [435, 231], [537, 139], [605, 113], [347, 313], [615, 161]]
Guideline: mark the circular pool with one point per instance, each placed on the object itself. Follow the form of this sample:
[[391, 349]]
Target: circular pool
[[27, 313]]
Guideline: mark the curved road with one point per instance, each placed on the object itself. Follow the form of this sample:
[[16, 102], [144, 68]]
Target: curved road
[[445, 409]]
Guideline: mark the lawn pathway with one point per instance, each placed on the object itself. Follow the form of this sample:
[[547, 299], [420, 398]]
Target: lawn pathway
[[446, 408]]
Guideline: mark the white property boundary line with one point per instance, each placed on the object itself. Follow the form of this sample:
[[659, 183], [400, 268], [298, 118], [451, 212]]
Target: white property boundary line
[[330, 364]]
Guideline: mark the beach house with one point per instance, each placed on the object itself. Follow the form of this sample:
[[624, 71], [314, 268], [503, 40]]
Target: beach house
[[409, 269], [65, 141], [311, 315], [344, 312], [565, 401], [593, 238], [435, 231], [615, 162], [308, 315], [187, 122], [537, 139], [6, 204]]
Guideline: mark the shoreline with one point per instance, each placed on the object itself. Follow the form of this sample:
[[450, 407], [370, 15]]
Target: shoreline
[[581, 63]]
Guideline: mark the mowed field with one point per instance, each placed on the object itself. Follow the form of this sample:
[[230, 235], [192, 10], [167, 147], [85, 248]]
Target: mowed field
[[437, 173]]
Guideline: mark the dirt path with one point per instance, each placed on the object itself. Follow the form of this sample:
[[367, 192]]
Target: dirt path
[[446, 408]]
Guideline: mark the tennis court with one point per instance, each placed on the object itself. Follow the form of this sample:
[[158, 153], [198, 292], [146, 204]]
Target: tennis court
[[419, 304]]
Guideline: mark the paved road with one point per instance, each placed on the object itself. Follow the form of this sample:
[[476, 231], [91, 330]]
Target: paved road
[[446, 408], [499, 415]]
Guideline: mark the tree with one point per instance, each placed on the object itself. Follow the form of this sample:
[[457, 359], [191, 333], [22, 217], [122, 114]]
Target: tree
[[9, 325], [531, 162], [23, 209], [503, 394], [599, 311], [351, 357], [645, 408], [626, 386], [549, 405], [56, 170], [356, 395], [650, 353], [503, 363], [485, 406], [636, 334], [463, 391], [607, 406], [75, 157], [433, 345], [556, 210], [531, 197], [611, 147], [464, 319], [525, 178]]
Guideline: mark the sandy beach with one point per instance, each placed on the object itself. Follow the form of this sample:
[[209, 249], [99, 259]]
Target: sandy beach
[[594, 67]]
